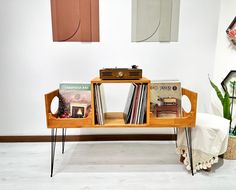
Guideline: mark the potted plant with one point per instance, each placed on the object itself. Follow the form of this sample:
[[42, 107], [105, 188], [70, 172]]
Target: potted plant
[[230, 154]]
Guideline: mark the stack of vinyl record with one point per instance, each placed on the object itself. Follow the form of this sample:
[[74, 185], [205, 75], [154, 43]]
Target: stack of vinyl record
[[135, 109]]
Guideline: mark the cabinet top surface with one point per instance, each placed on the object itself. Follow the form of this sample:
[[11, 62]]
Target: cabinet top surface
[[142, 80]]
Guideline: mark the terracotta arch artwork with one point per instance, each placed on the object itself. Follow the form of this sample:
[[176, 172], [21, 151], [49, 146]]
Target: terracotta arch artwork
[[75, 20], [155, 20]]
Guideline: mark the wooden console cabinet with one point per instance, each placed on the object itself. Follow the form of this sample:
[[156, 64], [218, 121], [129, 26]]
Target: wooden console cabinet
[[115, 119]]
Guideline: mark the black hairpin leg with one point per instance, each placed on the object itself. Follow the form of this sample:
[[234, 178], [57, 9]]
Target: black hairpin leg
[[53, 147], [176, 133], [63, 139], [189, 145]]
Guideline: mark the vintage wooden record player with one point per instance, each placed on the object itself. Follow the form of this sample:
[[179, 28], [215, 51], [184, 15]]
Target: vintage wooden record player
[[121, 73]]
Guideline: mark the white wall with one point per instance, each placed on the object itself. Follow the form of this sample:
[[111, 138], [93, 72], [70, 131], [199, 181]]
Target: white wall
[[225, 55], [32, 65]]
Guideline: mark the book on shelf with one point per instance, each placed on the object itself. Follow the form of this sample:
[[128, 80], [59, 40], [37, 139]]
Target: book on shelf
[[135, 107], [74, 99], [99, 104], [165, 98]]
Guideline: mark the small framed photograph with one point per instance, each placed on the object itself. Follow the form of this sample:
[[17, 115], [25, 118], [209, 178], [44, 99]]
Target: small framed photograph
[[231, 31], [77, 110]]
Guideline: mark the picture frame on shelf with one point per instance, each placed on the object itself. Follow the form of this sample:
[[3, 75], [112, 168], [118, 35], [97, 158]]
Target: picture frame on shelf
[[78, 110]]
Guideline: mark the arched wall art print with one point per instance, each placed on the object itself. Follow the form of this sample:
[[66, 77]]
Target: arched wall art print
[[75, 20], [155, 20]]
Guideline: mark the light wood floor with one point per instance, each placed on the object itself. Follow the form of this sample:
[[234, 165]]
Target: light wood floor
[[106, 166]]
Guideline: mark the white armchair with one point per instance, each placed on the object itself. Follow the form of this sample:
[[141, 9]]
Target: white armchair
[[209, 140]]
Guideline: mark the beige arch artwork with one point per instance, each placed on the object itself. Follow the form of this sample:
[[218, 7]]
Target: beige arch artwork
[[155, 20]]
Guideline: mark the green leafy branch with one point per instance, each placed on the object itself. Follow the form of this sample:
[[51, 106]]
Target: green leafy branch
[[225, 100]]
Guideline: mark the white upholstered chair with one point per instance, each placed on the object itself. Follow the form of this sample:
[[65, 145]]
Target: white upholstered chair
[[209, 140]]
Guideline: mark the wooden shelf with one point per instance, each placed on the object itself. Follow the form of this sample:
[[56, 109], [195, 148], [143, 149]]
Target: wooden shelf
[[54, 122], [115, 119], [187, 120], [98, 80], [179, 122]]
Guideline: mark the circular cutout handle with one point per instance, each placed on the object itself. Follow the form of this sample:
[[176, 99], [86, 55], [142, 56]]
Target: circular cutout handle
[[54, 105], [186, 104]]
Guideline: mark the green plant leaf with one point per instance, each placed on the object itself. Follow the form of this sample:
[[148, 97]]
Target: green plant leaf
[[218, 92], [232, 84], [226, 106], [225, 101]]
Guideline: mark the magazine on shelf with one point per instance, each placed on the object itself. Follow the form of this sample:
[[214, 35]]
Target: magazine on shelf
[[74, 99], [165, 98]]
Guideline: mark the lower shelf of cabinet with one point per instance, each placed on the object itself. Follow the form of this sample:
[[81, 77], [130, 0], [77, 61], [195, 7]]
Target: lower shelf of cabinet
[[115, 120], [55, 122], [178, 122]]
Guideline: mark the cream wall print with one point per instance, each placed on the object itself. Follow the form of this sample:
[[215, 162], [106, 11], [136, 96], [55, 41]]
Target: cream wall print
[[155, 20]]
